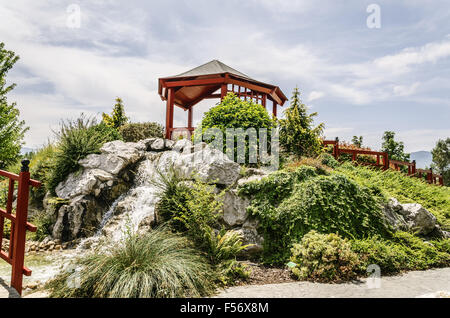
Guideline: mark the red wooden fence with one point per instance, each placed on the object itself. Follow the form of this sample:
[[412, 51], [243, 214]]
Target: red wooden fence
[[386, 163], [19, 225]]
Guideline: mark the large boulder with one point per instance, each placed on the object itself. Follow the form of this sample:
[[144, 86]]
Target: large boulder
[[411, 217], [80, 218], [209, 165], [234, 209], [81, 183]]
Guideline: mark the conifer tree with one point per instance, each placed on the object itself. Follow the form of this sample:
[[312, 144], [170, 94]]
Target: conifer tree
[[297, 132], [118, 118]]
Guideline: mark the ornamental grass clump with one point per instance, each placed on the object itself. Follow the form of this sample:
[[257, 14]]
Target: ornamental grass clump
[[324, 258], [76, 140], [159, 264]]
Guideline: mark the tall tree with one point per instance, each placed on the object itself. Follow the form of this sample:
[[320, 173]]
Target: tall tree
[[12, 129], [297, 132], [395, 149], [357, 141], [441, 159], [117, 118]]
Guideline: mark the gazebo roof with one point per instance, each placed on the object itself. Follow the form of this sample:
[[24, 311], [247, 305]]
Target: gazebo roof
[[202, 82], [213, 67]]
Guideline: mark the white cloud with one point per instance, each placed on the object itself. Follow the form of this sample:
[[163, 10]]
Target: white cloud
[[315, 95], [401, 62], [406, 90]]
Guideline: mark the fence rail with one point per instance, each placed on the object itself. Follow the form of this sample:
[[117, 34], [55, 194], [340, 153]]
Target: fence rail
[[383, 162], [15, 255]]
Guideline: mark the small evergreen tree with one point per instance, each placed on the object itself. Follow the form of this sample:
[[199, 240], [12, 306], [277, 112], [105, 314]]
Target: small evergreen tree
[[394, 149], [357, 141], [297, 133], [12, 129], [441, 159], [118, 118]]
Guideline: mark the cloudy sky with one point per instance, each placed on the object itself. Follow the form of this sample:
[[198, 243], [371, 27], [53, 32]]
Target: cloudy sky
[[361, 80]]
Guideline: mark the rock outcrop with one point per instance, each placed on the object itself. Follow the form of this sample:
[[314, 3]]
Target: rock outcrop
[[412, 217], [117, 182]]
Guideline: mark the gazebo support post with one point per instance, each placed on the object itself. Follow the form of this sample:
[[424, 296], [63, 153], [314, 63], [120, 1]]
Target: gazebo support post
[[274, 110], [190, 114], [223, 91], [169, 113]]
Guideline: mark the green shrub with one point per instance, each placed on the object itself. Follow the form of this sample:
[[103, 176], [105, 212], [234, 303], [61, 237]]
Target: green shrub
[[297, 133], [327, 204], [159, 264], [76, 140], [138, 131], [44, 223], [40, 169], [324, 258], [233, 112], [404, 252], [406, 189], [329, 160]]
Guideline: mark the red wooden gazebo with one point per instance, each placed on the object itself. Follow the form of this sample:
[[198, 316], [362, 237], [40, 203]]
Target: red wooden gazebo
[[208, 81]]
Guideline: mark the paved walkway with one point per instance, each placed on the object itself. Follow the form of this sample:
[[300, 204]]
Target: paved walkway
[[6, 291], [430, 283]]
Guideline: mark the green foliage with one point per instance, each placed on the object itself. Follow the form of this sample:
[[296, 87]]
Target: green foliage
[[12, 129], [329, 160], [357, 141], [41, 166], [192, 208], [134, 132], [297, 134], [233, 112], [117, 119], [324, 258], [441, 159], [406, 189], [159, 264], [394, 149], [44, 223], [290, 204], [404, 252], [76, 140]]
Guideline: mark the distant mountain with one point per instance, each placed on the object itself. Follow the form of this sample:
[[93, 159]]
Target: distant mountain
[[423, 159]]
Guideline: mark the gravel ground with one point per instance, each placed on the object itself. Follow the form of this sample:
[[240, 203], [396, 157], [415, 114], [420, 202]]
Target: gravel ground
[[430, 283]]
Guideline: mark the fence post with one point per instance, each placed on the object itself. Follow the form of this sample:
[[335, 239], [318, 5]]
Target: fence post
[[430, 176], [385, 161], [20, 227], [336, 148]]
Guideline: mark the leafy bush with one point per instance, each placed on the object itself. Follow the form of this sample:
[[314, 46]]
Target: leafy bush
[[329, 160], [41, 165], [233, 112], [303, 201], [297, 134], [324, 258], [12, 129], [404, 252], [406, 189], [44, 223], [76, 140], [134, 132], [159, 264], [192, 208]]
